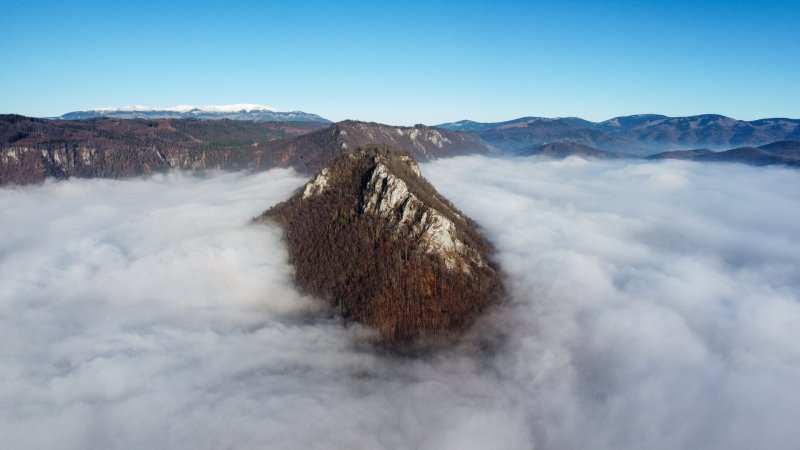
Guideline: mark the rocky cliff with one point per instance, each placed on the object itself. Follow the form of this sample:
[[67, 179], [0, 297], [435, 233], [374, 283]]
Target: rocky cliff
[[375, 240]]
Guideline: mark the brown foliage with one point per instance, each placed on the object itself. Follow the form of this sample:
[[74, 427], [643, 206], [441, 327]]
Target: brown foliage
[[369, 271]]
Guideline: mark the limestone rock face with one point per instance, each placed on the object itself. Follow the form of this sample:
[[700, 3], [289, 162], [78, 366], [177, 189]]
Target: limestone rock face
[[373, 238]]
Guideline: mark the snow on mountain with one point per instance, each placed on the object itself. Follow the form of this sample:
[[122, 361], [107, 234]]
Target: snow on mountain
[[237, 107], [239, 111]]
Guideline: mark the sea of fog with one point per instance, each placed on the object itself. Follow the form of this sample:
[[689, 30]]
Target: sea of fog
[[653, 306]]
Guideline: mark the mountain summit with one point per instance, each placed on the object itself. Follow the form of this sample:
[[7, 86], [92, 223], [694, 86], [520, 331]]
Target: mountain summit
[[374, 239]]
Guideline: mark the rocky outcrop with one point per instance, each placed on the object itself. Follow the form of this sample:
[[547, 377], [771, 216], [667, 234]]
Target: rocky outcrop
[[387, 196], [375, 240]]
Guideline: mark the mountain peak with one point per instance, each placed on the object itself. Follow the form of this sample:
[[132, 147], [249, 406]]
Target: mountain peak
[[375, 240]]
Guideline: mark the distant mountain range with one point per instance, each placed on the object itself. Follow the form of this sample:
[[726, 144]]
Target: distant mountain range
[[638, 135], [782, 152], [32, 150], [243, 111]]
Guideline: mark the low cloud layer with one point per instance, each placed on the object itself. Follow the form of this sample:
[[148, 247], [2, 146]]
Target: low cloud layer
[[654, 305]]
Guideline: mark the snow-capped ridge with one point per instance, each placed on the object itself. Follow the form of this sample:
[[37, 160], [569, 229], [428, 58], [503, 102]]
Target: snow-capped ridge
[[236, 107], [237, 111]]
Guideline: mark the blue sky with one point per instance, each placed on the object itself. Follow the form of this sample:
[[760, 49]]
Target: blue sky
[[419, 62]]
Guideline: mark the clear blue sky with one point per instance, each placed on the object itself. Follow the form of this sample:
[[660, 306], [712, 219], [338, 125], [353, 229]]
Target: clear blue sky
[[419, 62]]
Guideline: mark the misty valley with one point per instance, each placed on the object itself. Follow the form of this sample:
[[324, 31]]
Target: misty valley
[[152, 312]]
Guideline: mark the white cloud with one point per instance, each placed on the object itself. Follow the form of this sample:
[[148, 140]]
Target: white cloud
[[653, 306]]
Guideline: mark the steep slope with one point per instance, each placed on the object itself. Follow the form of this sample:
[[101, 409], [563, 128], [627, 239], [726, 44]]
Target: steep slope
[[213, 112], [375, 240], [32, 150]]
